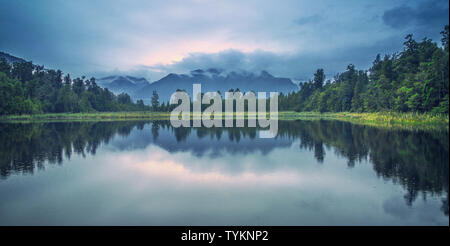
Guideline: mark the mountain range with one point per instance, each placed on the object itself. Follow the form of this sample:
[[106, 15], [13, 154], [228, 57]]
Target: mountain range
[[210, 79]]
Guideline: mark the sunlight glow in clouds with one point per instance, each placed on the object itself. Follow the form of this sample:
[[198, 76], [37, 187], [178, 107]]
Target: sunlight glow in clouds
[[171, 53]]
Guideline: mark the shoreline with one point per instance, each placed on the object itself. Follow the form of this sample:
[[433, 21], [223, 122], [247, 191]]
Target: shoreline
[[378, 119]]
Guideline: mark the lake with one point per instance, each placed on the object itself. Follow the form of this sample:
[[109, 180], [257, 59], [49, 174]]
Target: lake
[[147, 173]]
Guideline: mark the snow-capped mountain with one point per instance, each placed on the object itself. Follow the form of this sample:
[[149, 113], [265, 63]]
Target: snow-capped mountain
[[216, 80]]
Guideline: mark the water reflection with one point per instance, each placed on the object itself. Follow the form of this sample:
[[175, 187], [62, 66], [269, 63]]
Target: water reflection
[[416, 161]]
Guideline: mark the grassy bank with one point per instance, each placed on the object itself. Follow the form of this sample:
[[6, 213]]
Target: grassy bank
[[97, 116], [380, 119]]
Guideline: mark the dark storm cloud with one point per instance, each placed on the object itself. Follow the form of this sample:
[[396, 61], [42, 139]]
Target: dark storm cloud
[[47, 32], [426, 14], [399, 17]]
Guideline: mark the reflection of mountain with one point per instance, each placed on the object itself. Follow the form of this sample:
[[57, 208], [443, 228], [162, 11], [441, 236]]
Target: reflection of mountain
[[200, 141], [416, 160]]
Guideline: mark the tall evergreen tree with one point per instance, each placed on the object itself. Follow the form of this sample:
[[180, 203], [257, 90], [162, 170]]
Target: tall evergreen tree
[[319, 78], [155, 101]]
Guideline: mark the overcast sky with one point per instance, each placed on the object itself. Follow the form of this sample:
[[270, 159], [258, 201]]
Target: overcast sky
[[153, 38]]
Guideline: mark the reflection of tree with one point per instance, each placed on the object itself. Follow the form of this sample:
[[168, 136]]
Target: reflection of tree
[[218, 135], [181, 133], [155, 131], [444, 206], [234, 134], [319, 151], [24, 146], [416, 160]]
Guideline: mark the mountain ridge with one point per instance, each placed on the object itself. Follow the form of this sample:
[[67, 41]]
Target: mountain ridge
[[10, 58], [213, 79]]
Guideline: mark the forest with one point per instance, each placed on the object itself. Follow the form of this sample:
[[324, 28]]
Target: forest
[[413, 80], [29, 89]]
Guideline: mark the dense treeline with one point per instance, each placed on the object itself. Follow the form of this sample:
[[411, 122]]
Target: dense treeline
[[26, 89], [415, 80]]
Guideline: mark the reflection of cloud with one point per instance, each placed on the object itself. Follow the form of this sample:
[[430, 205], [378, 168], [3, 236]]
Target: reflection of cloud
[[283, 167], [162, 164], [396, 207], [295, 191]]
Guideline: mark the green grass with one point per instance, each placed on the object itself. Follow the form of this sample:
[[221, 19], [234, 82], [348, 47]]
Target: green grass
[[380, 119], [422, 121], [97, 116]]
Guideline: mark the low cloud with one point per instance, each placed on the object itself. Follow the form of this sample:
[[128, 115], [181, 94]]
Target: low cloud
[[297, 66]]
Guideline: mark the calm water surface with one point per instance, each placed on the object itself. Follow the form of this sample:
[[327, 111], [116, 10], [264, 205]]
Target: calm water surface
[[148, 173]]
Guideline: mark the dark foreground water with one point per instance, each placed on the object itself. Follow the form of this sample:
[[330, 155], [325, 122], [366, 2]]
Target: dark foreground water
[[148, 173]]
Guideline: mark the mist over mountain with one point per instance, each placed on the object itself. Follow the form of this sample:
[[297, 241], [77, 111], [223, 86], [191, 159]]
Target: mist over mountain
[[119, 84], [213, 79]]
